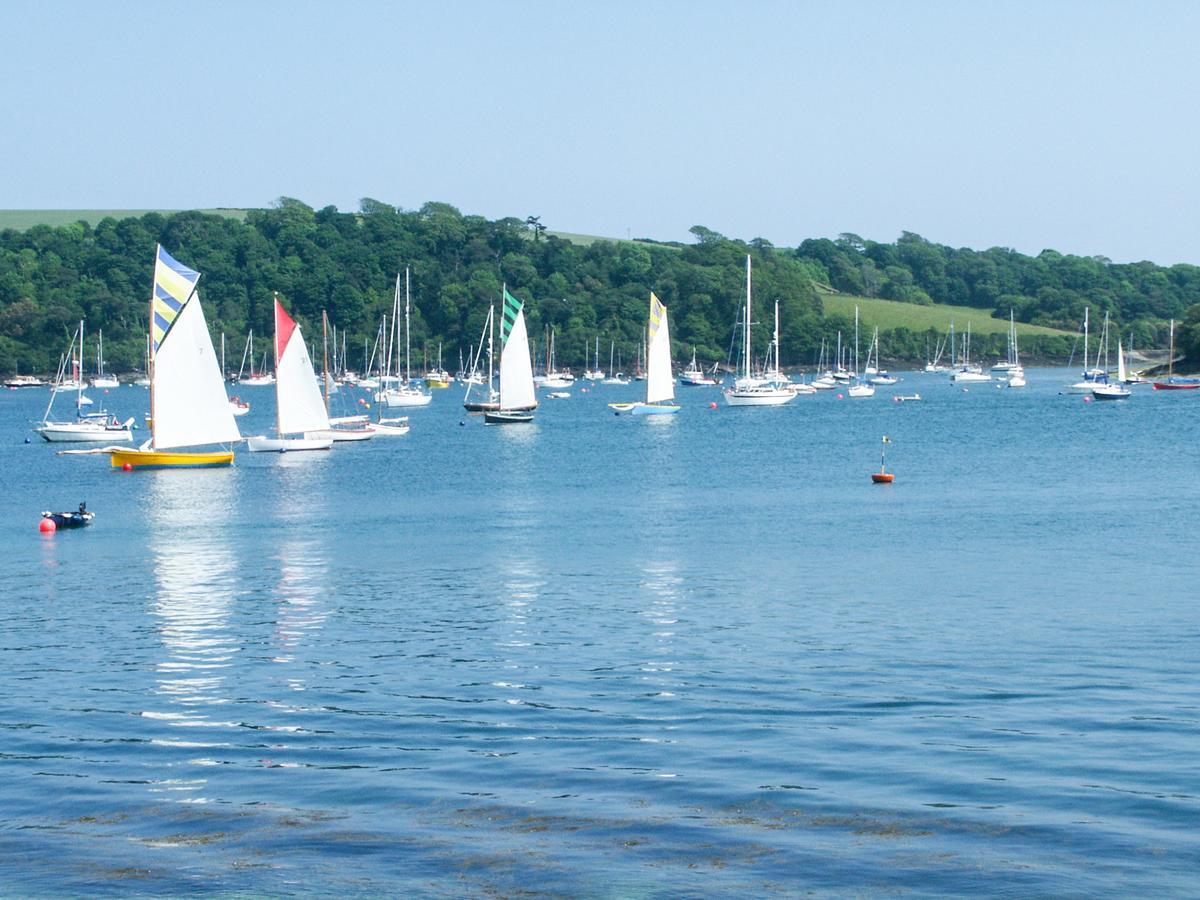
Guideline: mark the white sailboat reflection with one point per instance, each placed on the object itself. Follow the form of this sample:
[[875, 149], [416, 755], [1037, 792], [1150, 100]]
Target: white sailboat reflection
[[195, 570], [300, 611]]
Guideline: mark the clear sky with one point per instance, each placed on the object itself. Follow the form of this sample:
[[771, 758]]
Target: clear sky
[[1069, 125]]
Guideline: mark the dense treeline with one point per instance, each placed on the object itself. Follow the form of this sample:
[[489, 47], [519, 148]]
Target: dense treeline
[[346, 263]]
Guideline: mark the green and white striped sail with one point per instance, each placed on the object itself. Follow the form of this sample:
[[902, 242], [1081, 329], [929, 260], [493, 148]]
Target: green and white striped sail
[[516, 369]]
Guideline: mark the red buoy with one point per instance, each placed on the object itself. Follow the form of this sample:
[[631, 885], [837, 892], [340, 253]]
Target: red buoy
[[128, 467], [882, 477], [712, 405], [47, 526]]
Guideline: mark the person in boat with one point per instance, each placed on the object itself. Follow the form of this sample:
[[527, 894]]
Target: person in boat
[[82, 508]]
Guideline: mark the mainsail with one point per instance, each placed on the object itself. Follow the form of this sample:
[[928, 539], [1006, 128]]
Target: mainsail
[[516, 370], [659, 383], [297, 392], [189, 406]]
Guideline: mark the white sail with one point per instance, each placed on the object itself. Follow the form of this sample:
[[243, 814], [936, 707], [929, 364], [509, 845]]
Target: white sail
[[659, 384], [297, 391], [190, 403], [1122, 377], [516, 370]]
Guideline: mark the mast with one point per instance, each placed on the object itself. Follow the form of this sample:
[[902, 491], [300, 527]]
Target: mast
[[1171, 357], [856, 342], [223, 376], [275, 344], [407, 372], [79, 374], [325, 354], [746, 330], [1086, 310], [500, 386], [777, 367], [150, 356]]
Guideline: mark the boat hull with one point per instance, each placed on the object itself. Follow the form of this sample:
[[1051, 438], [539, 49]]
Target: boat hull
[[507, 417], [69, 519], [69, 432], [395, 428], [342, 435], [645, 409], [167, 459], [404, 399], [262, 444], [758, 397], [1173, 386]]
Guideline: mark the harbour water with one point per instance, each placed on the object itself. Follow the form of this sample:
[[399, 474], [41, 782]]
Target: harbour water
[[615, 656]]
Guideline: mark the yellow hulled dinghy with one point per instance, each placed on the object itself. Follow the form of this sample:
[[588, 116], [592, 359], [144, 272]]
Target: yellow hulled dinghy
[[188, 404]]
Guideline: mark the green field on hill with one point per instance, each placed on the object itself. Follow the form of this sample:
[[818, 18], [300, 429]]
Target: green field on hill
[[21, 219], [888, 315]]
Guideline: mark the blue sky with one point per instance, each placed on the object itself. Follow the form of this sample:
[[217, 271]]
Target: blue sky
[[1027, 125]]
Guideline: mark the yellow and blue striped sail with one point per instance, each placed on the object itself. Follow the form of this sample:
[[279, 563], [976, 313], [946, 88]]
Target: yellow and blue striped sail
[[173, 285], [657, 311]]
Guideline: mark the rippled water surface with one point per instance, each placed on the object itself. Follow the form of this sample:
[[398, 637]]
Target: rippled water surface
[[617, 657]]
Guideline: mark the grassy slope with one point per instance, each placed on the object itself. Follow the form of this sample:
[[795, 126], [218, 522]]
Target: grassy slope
[[20, 219], [889, 314]]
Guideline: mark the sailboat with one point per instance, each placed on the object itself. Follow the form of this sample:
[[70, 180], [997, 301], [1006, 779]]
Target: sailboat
[[614, 377], [1172, 383], [552, 378], [875, 375], [493, 400], [299, 408], [102, 380], [517, 397], [1092, 376], [596, 373], [437, 377], [341, 428], [748, 390], [96, 426], [263, 378], [660, 386], [858, 390], [188, 404], [966, 371], [695, 375], [407, 393], [1117, 390]]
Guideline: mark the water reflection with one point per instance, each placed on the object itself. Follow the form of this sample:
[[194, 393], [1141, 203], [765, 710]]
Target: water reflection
[[195, 570], [299, 609], [663, 586]]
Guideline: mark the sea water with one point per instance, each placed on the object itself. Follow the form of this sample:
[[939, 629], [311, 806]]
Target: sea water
[[615, 656]]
